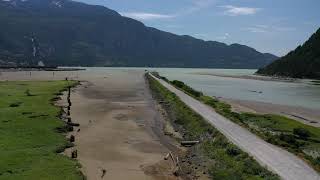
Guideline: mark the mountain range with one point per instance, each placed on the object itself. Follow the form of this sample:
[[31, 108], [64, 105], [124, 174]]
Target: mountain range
[[69, 33], [303, 62]]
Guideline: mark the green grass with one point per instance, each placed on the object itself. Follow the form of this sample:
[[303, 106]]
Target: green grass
[[229, 162], [29, 139], [275, 129]]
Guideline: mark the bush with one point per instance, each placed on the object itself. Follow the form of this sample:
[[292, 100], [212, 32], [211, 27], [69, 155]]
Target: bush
[[302, 133], [187, 88], [233, 151], [288, 138]]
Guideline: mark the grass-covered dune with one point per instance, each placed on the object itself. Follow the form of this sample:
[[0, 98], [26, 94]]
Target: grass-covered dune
[[226, 161], [30, 142], [296, 137]]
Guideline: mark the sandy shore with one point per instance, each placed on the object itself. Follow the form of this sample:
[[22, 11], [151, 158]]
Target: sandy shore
[[254, 77], [304, 115], [117, 118]]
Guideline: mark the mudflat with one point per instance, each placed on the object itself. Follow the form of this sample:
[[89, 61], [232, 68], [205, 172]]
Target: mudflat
[[116, 114], [307, 116]]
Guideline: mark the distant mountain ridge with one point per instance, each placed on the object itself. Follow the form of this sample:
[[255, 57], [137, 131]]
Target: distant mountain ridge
[[303, 62], [64, 32]]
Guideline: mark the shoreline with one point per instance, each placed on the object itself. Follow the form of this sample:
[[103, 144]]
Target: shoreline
[[307, 116], [116, 139], [256, 77]]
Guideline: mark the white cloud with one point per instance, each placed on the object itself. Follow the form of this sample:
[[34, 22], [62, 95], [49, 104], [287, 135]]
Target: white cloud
[[285, 29], [224, 37], [196, 5], [146, 16], [237, 11], [255, 29], [266, 28], [193, 7]]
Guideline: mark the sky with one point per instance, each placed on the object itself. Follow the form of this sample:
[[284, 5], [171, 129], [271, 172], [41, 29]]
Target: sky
[[272, 26]]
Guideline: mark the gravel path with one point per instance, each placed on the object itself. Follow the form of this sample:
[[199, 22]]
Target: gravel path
[[285, 164]]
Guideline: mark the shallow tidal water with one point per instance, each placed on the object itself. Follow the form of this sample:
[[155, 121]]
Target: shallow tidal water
[[301, 94]]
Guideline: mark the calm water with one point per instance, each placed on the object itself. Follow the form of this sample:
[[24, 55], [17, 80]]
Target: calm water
[[302, 94]]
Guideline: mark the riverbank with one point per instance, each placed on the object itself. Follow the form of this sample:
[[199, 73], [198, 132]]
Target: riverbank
[[254, 77], [298, 138], [214, 154]]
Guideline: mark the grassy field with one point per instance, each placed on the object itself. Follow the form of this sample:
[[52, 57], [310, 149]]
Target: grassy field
[[227, 161], [29, 140], [296, 137]]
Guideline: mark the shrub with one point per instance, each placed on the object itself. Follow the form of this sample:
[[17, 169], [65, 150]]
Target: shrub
[[233, 151], [301, 132], [288, 138]]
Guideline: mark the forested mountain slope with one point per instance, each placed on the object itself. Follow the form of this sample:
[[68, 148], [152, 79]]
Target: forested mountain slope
[[63, 32], [303, 62]]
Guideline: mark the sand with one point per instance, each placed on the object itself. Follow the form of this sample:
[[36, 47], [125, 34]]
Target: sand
[[255, 77], [117, 118]]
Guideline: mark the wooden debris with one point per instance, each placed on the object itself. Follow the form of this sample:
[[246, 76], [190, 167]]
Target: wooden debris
[[189, 143], [72, 138], [73, 124], [103, 172], [74, 154], [167, 156]]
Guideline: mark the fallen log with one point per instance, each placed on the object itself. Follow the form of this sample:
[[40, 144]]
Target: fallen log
[[189, 143], [73, 124]]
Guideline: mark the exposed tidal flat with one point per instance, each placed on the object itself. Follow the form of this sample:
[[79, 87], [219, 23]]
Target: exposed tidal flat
[[297, 99], [114, 109], [115, 137]]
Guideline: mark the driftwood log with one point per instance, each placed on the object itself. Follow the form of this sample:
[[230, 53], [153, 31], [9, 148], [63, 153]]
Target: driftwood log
[[189, 143], [73, 124]]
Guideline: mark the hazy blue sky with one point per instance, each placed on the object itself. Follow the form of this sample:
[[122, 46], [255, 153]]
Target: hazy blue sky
[[275, 26]]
